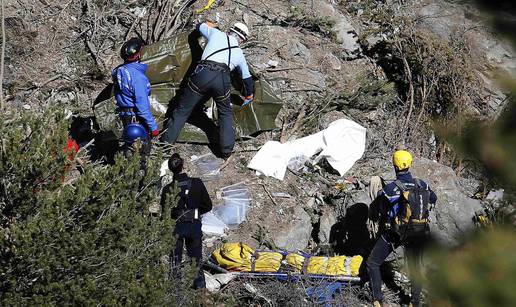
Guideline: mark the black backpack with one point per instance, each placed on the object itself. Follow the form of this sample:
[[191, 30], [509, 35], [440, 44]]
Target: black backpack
[[411, 218], [184, 202]]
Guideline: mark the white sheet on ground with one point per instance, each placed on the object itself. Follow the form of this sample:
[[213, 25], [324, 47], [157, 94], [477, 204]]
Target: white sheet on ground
[[342, 144]]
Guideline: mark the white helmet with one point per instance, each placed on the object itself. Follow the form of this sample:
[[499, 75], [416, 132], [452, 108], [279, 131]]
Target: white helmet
[[241, 30]]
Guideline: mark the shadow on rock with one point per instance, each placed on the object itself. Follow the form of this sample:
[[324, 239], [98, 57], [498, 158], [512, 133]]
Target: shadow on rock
[[350, 235]]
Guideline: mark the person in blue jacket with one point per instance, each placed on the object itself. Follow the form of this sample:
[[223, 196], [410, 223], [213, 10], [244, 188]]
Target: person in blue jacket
[[413, 234], [132, 89], [211, 79]]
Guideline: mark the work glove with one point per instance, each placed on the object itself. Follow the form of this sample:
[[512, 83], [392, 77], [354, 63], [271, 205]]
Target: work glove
[[155, 133], [248, 100]]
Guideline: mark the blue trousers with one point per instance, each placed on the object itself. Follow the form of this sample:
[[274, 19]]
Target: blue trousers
[[380, 252]]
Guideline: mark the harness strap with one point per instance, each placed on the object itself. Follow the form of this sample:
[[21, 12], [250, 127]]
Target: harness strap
[[229, 57], [400, 185], [347, 265], [188, 184], [306, 262], [254, 257], [229, 47]]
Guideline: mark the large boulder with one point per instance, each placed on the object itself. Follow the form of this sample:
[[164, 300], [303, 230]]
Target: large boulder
[[293, 234], [452, 216]]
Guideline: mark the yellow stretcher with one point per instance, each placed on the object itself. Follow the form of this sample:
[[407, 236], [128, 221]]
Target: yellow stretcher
[[242, 258]]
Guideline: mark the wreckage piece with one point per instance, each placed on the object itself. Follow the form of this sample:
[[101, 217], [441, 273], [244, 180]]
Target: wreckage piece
[[341, 144], [169, 61]]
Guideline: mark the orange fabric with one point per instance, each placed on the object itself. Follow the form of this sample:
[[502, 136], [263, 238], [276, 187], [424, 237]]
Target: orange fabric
[[72, 148]]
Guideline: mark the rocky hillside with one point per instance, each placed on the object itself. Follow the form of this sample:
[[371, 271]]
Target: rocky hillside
[[404, 70]]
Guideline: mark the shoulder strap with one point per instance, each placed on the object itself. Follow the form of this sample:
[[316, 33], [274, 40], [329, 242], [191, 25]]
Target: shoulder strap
[[229, 57], [229, 47], [400, 185], [419, 183]]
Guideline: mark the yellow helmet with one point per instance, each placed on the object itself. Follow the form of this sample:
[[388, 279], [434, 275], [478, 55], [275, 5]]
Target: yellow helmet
[[402, 159]]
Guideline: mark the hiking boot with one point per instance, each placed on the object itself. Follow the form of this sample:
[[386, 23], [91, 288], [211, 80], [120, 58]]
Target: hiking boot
[[225, 155], [377, 304]]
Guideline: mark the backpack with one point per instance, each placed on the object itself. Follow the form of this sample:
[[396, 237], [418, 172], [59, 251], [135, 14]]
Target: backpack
[[410, 218], [184, 209]]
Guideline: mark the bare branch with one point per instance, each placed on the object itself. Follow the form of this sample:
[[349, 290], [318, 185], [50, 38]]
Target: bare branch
[[2, 57]]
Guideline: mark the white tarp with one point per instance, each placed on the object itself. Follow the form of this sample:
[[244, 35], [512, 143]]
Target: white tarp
[[342, 144]]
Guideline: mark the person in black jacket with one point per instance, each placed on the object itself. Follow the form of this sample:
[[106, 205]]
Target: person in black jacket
[[193, 200]]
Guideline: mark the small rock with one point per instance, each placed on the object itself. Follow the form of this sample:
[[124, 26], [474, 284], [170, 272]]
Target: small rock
[[26, 107], [495, 195], [272, 63], [333, 61], [245, 18], [299, 49]]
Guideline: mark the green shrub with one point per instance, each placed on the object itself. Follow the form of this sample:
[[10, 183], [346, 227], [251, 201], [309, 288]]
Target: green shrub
[[480, 273], [89, 242]]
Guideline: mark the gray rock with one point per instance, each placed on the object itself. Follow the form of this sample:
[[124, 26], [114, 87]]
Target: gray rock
[[295, 232], [333, 61], [495, 195], [343, 28], [452, 216], [299, 49], [347, 36], [326, 221]]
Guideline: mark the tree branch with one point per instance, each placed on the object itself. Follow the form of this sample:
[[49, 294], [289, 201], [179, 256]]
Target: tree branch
[[2, 57]]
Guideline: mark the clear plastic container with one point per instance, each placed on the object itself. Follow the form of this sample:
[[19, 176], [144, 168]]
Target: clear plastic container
[[236, 186], [212, 225], [237, 201], [207, 166], [232, 214], [241, 193]]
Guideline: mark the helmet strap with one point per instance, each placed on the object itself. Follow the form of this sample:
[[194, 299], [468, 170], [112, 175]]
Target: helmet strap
[[134, 58]]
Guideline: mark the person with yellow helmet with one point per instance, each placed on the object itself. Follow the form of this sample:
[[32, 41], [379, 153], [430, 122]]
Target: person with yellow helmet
[[401, 208]]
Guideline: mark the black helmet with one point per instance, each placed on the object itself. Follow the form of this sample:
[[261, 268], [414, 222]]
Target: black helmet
[[130, 50]]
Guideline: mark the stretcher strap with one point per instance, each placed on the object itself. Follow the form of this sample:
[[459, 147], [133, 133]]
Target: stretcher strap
[[306, 262], [347, 264], [254, 258]]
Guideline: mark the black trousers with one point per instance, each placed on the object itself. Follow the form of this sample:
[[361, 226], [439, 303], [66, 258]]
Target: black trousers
[[206, 81], [189, 235], [381, 250]]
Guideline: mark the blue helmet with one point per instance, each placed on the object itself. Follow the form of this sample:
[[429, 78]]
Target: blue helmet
[[134, 131]]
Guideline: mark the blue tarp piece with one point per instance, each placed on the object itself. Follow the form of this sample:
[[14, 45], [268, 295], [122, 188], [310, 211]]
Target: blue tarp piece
[[324, 292]]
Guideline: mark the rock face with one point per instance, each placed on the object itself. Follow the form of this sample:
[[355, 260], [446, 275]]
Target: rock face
[[346, 33], [493, 56], [295, 232], [326, 221], [452, 216]]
